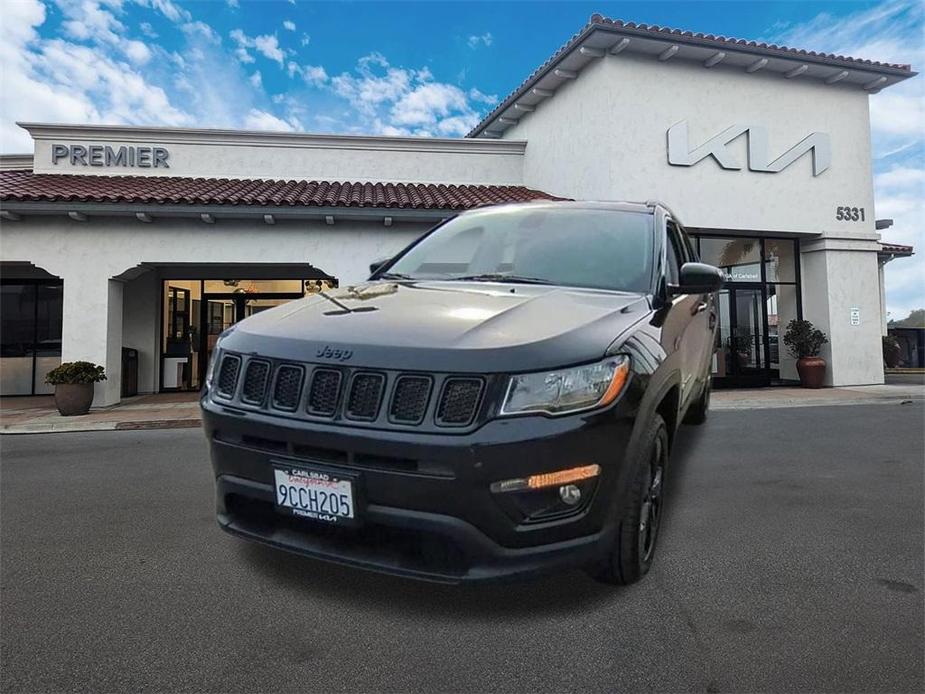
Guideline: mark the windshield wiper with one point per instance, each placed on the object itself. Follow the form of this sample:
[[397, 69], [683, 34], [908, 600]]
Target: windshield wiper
[[395, 276], [500, 277]]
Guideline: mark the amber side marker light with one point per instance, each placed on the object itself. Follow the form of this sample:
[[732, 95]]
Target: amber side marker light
[[547, 479], [620, 374]]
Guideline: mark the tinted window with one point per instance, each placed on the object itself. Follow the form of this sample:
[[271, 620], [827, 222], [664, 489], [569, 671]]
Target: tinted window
[[580, 247], [17, 328]]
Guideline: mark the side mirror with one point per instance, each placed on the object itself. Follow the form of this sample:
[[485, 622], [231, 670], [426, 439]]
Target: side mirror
[[698, 278], [376, 264]]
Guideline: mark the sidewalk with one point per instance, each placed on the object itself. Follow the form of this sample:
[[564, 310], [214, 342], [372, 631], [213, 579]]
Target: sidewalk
[[34, 415]]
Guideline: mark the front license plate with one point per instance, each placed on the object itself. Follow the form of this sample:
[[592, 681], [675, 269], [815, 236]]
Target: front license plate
[[314, 494]]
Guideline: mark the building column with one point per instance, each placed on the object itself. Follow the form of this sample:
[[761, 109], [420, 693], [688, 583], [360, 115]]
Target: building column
[[92, 329], [841, 297], [884, 328]]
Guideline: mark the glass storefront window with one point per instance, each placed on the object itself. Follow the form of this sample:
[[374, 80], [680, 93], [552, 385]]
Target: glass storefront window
[[739, 258], [753, 310], [30, 336], [782, 308], [181, 357], [780, 260]]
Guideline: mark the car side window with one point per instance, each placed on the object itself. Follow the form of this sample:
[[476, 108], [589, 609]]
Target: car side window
[[690, 252], [675, 254]]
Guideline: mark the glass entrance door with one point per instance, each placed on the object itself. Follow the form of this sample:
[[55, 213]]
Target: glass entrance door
[[741, 348]]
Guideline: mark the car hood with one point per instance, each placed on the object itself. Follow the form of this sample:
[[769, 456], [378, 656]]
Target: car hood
[[443, 326]]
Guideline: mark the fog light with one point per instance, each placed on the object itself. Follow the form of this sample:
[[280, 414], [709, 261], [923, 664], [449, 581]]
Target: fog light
[[570, 494]]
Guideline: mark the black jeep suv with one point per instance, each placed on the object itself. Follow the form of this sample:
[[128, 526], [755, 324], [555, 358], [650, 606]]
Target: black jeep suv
[[500, 398]]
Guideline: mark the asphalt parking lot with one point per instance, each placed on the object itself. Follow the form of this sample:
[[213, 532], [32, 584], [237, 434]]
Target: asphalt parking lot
[[791, 559]]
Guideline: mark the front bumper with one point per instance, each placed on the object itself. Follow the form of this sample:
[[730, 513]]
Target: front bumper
[[425, 502]]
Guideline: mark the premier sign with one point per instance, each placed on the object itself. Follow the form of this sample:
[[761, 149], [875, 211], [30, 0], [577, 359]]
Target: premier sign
[[680, 153], [128, 156]]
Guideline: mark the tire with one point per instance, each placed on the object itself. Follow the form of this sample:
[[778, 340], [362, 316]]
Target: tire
[[634, 546], [697, 412]]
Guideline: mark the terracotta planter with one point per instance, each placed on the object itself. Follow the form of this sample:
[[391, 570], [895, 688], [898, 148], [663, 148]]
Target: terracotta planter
[[812, 371], [73, 398], [892, 355]]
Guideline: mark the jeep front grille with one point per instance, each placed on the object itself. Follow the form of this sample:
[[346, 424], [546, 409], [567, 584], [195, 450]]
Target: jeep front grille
[[324, 393], [459, 401], [288, 387], [409, 401], [367, 398], [255, 381], [228, 376]]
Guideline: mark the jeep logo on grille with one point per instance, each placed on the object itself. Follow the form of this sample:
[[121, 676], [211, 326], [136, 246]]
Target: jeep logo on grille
[[328, 352]]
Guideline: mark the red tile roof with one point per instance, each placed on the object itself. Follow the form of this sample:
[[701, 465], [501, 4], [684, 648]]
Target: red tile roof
[[700, 39], [169, 190], [896, 249]]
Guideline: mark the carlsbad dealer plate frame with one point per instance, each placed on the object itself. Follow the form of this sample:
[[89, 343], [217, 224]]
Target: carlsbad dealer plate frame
[[317, 493]]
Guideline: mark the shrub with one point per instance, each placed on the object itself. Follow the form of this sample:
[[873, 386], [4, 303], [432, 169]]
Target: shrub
[[75, 372], [890, 342], [803, 339]]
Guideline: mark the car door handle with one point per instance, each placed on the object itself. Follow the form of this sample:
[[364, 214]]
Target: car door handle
[[701, 307]]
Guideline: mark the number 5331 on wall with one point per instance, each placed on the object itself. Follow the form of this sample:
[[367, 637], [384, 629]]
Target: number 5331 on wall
[[849, 214]]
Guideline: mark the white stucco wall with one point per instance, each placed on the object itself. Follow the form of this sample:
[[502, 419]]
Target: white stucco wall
[[101, 313], [140, 327], [222, 154], [837, 279], [604, 136]]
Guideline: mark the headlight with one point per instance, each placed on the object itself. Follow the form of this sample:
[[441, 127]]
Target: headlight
[[567, 390]]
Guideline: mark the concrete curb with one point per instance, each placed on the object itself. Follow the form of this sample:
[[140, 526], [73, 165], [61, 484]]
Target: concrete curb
[[769, 405], [68, 427]]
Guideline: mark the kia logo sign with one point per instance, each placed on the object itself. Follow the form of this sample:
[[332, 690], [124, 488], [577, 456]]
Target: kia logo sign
[[681, 154]]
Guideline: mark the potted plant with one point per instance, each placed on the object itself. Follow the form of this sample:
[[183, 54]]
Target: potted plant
[[73, 382], [892, 351], [804, 341]]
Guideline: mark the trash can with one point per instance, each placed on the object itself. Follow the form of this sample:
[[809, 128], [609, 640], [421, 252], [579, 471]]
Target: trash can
[[129, 372]]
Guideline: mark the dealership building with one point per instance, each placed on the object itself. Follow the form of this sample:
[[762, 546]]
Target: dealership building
[[134, 247]]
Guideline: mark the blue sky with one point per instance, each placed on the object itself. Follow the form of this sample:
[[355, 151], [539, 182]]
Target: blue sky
[[429, 69]]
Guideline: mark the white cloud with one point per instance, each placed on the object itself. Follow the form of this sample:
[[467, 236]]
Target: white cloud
[[476, 95], [269, 47], [265, 44], [147, 30], [203, 30], [314, 75], [485, 39], [168, 8], [289, 25], [233, 4], [392, 100], [427, 103], [256, 80], [262, 120], [137, 52], [306, 39]]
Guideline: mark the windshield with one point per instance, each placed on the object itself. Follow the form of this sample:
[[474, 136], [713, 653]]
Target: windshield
[[594, 248]]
